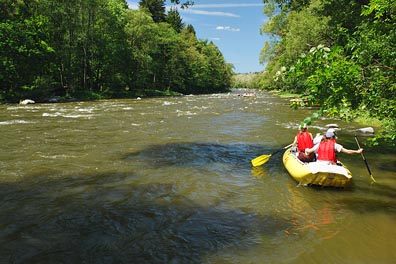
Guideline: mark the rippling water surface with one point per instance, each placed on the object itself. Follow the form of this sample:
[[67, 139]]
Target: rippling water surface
[[169, 180]]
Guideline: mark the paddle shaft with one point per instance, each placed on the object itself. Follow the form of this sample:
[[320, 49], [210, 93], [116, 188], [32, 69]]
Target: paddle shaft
[[264, 158], [288, 146], [280, 150], [364, 158]]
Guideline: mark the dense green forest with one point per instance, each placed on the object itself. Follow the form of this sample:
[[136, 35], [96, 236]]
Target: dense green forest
[[101, 49], [340, 55]]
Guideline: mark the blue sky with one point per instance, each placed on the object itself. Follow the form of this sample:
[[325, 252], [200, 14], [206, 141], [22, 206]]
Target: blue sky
[[233, 25]]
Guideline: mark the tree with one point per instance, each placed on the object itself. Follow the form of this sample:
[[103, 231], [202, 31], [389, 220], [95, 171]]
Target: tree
[[352, 71], [140, 32], [24, 51], [156, 8], [173, 18], [95, 48], [295, 32]]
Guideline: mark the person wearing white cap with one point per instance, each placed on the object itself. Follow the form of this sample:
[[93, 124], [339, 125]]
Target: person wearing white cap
[[327, 148], [319, 137], [303, 140]]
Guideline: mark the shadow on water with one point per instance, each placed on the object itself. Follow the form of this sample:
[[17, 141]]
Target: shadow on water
[[190, 154], [105, 218], [382, 198]]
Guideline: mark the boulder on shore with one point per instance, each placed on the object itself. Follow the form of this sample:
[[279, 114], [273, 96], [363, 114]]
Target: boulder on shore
[[332, 126], [366, 130], [26, 101]]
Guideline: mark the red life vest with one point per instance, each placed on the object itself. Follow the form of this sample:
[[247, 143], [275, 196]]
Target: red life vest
[[304, 140], [326, 150]]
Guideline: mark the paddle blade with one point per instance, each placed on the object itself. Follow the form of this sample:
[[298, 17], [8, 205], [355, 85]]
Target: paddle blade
[[260, 160], [372, 179]]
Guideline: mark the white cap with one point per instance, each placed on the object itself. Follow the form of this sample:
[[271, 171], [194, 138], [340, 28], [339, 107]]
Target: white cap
[[330, 133]]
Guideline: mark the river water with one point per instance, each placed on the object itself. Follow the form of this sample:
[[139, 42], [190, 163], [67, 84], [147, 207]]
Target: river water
[[169, 180]]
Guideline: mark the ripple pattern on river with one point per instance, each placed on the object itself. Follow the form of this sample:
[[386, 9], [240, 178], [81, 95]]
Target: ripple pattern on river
[[169, 180]]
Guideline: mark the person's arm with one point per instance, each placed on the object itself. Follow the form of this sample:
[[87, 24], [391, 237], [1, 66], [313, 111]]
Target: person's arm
[[311, 150], [294, 144], [350, 151], [340, 148]]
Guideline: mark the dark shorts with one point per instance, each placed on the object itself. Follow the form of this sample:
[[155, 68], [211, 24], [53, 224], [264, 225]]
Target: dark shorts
[[306, 158]]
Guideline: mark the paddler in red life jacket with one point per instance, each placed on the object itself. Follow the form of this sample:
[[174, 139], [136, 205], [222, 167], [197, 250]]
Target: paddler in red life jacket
[[327, 148], [304, 140]]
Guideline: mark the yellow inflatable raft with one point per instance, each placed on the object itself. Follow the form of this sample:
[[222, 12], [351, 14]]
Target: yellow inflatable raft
[[316, 173]]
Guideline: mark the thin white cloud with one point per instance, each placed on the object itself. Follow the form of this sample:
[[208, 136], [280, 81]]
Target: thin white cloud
[[228, 28], [225, 5], [207, 13], [197, 9], [135, 5]]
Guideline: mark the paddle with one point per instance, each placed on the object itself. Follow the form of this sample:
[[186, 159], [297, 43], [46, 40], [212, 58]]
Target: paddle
[[364, 158], [264, 158]]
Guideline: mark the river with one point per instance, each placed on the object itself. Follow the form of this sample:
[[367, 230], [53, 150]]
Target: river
[[169, 180]]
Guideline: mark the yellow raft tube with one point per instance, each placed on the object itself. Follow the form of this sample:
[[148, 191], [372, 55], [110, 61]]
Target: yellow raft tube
[[316, 173]]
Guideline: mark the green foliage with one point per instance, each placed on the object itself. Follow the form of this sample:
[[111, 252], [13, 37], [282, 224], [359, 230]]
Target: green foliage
[[155, 7], [295, 33], [173, 18], [23, 45], [351, 72], [100, 47], [335, 82], [247, 80], [184, 4]]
